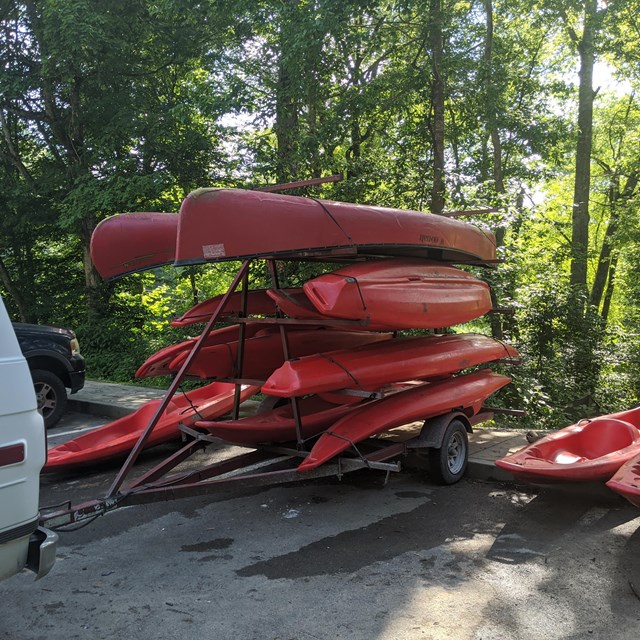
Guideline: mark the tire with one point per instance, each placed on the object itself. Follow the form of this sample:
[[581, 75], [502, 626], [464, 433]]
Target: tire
[[51, 396], [449, 463]]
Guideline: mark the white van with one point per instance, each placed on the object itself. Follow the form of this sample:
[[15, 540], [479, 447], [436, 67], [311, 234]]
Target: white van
[[22, 455]]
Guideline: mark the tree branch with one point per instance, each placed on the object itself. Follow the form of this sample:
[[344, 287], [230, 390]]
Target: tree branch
[[13, 153]]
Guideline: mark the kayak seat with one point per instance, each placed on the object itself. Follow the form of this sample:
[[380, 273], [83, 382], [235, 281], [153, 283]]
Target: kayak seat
[[602, 436], [567, 457]]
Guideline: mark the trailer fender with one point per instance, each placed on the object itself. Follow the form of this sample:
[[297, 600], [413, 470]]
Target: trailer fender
[[433, 430]]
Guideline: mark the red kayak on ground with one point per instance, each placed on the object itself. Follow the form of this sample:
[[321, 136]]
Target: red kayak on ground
[[263, 354], [400, 293], [278, 425], [132, 242], [626, 481], [590, 450], [466, 392], [259, 302], [371, 366], [119, 437]]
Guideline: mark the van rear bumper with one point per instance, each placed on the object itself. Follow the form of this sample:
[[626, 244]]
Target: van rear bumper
[[42, 551]]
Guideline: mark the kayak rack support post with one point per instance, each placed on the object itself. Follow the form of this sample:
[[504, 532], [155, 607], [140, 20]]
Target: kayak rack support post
[[285, 349], [135, 452], [169, 463], [241, 338]]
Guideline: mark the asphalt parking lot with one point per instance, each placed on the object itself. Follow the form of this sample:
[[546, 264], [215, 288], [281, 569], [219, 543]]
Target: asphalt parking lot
[[336, 559]]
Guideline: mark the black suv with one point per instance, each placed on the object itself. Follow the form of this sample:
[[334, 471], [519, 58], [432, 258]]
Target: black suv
[[53, 356]]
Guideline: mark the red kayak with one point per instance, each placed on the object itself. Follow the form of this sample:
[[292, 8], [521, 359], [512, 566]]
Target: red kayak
[[227, 224], [294, 303], [263, 354], [133, 242], [590, 450], [467, 392], [259, 303], [159, 363], [372, 366], [119, 437], [626, 481], [401, 293], [278, 425]]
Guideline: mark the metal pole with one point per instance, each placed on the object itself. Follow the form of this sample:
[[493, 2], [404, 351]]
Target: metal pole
[[300, 183], [285, 349], [135, 452], [241, 337]]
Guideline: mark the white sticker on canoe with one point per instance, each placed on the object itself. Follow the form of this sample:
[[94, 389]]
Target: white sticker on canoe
[[213, 250]]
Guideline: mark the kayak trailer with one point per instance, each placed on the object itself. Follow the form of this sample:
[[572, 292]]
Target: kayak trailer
[[442, 439]]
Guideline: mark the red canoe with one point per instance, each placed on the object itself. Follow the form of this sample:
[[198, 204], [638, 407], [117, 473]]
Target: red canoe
[[258, 303], [133, 242], [372, 366], [227, 224], [119, 437], [263, 354], [404, 294], [467, 392], [278, 425], [626, 481], [590, 450]]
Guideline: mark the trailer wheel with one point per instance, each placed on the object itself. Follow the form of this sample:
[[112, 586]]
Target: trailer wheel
[[448, 463]]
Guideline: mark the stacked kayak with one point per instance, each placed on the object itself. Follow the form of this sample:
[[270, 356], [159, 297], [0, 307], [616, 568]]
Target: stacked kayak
[[116, 439], [425, 401], [376, 297], [327, 353], [591, 450]]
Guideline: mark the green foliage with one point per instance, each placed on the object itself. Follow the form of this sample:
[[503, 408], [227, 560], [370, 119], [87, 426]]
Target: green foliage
[[128, 105]]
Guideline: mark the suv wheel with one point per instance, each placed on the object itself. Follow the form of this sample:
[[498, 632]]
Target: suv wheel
[[51, 396]]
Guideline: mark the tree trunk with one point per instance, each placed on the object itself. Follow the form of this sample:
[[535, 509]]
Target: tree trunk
[[287, 96], [497, 330], [437, 105], [605, 261], [286, 125], [586, 95], [610, 288], [14, 292]]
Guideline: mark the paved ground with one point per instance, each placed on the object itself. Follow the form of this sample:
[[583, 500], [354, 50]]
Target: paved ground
[[353, 559]]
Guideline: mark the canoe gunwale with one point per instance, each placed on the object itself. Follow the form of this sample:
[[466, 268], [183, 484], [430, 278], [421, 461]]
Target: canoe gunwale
[[454, 256]]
